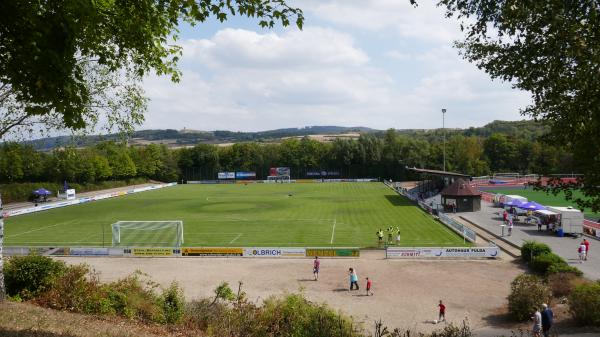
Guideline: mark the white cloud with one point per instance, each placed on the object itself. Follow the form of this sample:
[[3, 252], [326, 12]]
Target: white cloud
[[243, 80], [425, 22]]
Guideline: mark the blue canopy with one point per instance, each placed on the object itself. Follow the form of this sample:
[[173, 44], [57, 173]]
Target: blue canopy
[[531, 206], [42, 191], [514, 203]]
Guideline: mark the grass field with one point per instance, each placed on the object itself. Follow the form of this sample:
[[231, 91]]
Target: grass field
[[261, 215], [546, 199]]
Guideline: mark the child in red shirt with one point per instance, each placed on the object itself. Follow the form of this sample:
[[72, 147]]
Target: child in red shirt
[[369, 287], [442, 316]]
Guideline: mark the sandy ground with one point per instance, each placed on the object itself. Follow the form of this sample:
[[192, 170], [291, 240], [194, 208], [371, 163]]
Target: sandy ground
[[406, 293]]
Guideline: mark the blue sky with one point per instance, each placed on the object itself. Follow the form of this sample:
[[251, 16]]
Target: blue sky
[[376, 63]]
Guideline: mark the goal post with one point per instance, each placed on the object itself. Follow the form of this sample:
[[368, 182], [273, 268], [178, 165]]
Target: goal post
[[147, 233]]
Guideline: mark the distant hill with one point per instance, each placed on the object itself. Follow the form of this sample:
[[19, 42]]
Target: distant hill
[[187, 137]]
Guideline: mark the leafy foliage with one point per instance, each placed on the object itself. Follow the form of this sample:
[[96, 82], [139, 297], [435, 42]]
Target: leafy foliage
[[584, 304], [542, 263], [172, 304], [527, 292], [30, 276], [552, 50], [531, 249]]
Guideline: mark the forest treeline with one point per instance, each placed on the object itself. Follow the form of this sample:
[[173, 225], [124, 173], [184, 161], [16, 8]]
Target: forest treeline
[[383, 155]]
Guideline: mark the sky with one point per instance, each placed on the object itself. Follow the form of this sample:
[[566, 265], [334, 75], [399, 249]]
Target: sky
[[375, 63]]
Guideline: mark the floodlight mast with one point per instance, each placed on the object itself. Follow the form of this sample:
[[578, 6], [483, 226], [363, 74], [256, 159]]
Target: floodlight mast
[[444, 132]]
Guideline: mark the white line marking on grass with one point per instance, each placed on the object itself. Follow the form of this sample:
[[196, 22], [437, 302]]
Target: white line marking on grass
[[333, 231], [41, 228], [237, 237]]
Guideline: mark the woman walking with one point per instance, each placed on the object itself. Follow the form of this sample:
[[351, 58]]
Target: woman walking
[[353, 279]]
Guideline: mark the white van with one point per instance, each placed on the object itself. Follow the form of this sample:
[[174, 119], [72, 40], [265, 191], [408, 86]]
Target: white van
[[569, 218]]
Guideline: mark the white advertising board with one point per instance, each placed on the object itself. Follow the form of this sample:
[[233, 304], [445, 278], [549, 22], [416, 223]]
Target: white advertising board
[[454, 252], [274, 252]]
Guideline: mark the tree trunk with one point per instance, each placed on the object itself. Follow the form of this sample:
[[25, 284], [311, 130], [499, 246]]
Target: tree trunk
[[2, 289]]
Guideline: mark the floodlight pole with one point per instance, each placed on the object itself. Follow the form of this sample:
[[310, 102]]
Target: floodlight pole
[[2, 289], [444, 132]]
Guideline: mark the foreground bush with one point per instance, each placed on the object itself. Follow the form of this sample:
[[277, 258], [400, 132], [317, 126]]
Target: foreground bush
[[561, 284], [531, 249], [527, 292], [542, 263], [26, 277], [564, 269], [172, 304], [584, 304]]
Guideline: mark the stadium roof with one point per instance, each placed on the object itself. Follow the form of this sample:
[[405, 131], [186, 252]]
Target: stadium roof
[[459, 188], [439, 173]]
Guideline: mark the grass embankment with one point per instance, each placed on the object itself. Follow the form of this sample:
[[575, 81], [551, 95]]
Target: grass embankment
[[238, 215]]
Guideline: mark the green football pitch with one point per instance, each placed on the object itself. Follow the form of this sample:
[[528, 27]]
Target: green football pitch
[[238, 215], [545, 199]]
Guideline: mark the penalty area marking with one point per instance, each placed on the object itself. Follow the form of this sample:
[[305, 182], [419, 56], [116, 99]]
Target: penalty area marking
[[333, 231]]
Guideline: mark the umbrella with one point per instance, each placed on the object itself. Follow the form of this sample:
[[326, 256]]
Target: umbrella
[[514, 202], [42, 191], [531, 206]]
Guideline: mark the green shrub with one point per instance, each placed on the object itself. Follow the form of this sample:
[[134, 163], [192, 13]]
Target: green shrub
[[531, 249], [584, 304], [527, 292], [77, 290], [172, 304], [564, 269], [134, 298], [29, 276], [542, 263]]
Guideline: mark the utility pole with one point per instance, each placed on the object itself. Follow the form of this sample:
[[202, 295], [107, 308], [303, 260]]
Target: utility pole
[[444, 131]]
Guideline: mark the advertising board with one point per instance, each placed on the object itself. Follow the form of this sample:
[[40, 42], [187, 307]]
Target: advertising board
[[226, 175], [274, 252], [150, 251], [333, 252], [87, 251], [453, 252], [279, 171], [245, 175], [212, 251]]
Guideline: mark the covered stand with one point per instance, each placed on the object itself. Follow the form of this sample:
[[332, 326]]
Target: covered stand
[[461, 195]]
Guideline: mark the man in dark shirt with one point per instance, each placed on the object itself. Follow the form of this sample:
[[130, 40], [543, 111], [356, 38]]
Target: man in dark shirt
[[547, 320]]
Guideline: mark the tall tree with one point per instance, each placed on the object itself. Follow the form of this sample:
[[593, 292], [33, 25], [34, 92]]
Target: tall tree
[[551, 49]]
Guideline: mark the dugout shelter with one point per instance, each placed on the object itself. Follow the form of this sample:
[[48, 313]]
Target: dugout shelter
[[433, 181]]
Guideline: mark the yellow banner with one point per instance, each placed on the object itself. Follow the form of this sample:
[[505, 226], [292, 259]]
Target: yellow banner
[[217, 251]]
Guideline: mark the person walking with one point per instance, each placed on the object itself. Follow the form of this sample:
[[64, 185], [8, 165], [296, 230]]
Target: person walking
[[547, 320], [390, 234], [587, 248], [380, 236], [369, 284], [537, 323], [582, 252], [316, 267], [353, 279], [442, 312], [505, 217], [510, 225]]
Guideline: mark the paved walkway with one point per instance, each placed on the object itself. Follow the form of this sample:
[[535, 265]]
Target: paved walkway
[[566, 246], [25, 204]]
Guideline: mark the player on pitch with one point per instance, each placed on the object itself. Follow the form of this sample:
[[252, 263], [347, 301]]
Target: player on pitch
[[316, 266]]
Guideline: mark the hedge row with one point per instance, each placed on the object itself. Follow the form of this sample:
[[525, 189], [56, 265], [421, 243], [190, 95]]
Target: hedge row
[[543, 261]]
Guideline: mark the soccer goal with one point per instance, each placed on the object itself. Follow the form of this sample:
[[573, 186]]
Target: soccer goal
[[147, 233]]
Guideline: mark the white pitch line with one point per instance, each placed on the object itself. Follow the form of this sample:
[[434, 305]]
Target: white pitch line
[[333, 231], [41, 228], [237, 237]]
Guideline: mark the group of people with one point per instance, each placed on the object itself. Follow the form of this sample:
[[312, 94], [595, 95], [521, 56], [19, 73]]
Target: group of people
[[583, 250], [390, 235], [351, 272], [542, 321]]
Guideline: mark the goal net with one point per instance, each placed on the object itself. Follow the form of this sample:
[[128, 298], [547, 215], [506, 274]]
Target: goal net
[[147, 233]]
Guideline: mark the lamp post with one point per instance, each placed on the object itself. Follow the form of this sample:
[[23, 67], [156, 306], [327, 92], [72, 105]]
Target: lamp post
[[444, 131]]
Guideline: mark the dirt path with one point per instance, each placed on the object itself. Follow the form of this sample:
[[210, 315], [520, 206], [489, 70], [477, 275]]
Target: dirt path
[[406, 292]]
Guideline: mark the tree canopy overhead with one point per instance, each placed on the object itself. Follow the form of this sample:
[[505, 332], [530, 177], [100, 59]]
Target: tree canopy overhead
[[550, 48], [45, 45]]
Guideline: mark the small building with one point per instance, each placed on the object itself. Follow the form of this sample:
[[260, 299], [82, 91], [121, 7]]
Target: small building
[[462, 195]]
